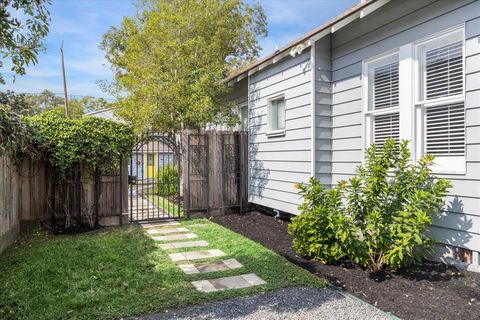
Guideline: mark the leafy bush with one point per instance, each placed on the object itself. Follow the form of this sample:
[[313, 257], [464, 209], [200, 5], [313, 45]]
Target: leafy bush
[[380, 215], [167, 181], [91, 142], [315, 230], [16, 139]]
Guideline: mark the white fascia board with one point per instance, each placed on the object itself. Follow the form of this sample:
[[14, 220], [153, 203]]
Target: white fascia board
[[342, 23], [374, 6]]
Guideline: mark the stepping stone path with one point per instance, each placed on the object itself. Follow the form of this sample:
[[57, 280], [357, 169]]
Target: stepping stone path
[[175, 237], [222, 265], [170, 232], [235, 282], [161, 225], [196, 255], [183, 244], [154, 231]]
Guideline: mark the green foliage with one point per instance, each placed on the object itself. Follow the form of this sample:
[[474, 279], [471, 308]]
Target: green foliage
[[314, 230], [117, 273], [172, 57], [167, 181], [87, 141], [16, 139], [380, 215], [23, 25], [27, 104]]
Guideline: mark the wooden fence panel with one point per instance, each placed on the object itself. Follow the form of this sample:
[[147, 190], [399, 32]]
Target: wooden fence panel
[[214, 194], [9, 222]]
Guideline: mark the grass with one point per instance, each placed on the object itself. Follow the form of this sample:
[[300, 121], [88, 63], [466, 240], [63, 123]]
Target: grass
[[121, 272], [165, 204]]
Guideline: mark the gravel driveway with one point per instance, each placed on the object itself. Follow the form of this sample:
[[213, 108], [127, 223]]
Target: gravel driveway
[[286, 304]]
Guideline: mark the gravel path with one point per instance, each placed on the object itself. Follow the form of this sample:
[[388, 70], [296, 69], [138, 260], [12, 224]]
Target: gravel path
[[286, 304]]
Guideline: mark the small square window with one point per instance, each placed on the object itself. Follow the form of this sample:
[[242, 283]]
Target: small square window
[[277, 114]]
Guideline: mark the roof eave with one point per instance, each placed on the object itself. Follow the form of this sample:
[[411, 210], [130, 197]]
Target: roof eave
[[358, 11]]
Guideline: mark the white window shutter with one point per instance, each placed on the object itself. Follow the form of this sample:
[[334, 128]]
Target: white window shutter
[[385, 86], [384, 127], [444, 71], [445, 130]]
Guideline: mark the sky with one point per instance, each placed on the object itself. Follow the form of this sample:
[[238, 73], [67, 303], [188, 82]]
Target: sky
[[80, 24]]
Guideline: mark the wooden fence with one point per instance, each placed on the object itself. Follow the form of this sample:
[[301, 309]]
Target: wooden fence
[[215, 171], [9, 221], [29, 194]]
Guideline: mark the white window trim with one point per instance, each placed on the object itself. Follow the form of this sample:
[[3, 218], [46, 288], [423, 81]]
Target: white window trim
[[443, 165], [240, 107], [370, 114], [411, 109], [270, 132]]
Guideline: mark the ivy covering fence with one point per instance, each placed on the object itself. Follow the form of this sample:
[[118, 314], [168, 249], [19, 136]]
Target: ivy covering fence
[[74, 153]]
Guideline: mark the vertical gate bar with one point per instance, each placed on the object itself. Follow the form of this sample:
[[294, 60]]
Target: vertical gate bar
[[188, 175], [207, 137], [177, 155], [130, 184], [222, 174], [121, 191]]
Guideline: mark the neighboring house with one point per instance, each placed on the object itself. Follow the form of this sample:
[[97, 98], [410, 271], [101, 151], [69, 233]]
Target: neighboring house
[[146, 160], [401, 69], [149, 159]]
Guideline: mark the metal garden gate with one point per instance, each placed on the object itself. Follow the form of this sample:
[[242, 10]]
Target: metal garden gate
[[154, 179]]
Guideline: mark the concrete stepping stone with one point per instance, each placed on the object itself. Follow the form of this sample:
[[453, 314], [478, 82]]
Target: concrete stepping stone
[[227, 283], [160, 224], [222, 265], [183, 244], [175, 237], [196, 255], [167, 230]]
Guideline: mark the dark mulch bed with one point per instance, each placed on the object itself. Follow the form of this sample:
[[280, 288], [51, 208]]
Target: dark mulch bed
[[428, 291]]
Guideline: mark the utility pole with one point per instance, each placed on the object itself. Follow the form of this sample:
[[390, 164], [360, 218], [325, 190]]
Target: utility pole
[[65, 99]]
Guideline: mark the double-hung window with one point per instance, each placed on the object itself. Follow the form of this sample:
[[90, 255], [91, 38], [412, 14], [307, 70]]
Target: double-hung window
[[417, 93], [383, 99], [440, 100]]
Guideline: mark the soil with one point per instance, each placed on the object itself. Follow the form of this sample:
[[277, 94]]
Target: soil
[[78, 229], [427, 291]]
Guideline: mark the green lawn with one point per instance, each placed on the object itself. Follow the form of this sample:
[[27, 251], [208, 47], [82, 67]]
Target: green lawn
[[120, 272], [167, 206]]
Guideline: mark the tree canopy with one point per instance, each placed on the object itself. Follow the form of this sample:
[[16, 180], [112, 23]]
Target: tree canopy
[[23, 25], [170, 60], [30, 104]]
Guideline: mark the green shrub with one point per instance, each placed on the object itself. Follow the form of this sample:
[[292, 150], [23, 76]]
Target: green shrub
[[167, 181], [91, 142], [378, 217], [321, 223]]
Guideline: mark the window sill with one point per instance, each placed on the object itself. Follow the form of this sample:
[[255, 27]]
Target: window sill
[[276, 133]]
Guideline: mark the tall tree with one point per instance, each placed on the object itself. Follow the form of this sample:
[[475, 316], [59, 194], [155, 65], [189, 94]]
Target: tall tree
[[23, 25], [170, 60]]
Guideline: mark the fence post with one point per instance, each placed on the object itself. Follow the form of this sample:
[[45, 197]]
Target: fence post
[[97, 196], [121, 191]]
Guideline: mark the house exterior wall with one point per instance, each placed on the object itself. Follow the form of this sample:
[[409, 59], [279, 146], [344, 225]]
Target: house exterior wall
[[396, 24], [277, 163]]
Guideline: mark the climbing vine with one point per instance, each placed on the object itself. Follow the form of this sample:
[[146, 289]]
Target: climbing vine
[[17, 140], [89, 141]]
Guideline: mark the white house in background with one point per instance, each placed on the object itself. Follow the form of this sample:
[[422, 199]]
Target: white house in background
[[401, 69]]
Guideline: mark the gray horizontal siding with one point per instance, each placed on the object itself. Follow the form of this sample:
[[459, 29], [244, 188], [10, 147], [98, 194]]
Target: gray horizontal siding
[[323, 112], [396, 24], [277, 163]]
